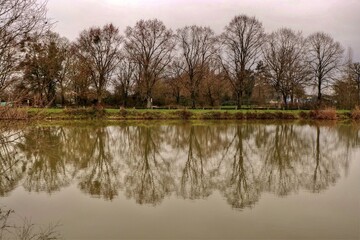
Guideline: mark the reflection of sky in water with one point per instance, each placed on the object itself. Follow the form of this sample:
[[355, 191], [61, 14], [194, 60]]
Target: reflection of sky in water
[[218, 167]]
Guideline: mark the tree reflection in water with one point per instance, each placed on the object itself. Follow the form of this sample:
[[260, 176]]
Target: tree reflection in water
[[283, 153], [10, 159], [151, 162], [241, 184], [326, 159], [148, 178], [99, 175], [195, 180], [45, 165]]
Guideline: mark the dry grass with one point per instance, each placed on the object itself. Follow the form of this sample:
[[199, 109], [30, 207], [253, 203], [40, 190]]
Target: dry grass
[[323, 114], [8, 113], [355, 113]]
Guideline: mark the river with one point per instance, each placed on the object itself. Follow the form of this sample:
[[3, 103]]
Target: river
[[182, 180]]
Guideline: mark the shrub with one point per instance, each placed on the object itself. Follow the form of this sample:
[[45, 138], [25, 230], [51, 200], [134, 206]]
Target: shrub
[[355, 113], [8, 113], [123, 112], [251, 115], [324, 114], [184, 114], [285, 115], [211, 115], [267, 115], [304, 115], [152, 115], [227, 115], [239, 115]]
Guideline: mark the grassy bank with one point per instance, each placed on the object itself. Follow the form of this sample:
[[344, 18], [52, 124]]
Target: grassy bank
[[155, 114]]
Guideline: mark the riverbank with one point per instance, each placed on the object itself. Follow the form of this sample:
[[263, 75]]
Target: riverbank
[[164, 114]]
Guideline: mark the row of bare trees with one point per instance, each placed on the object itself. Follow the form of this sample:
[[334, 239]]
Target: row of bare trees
[[151, 63]]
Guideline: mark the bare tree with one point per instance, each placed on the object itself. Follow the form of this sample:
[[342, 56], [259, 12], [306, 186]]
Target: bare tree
[[347, 82], [98, 48], [197, 48], [126, 76], [64, 75], [284, 55], [80, 79], [149, 44], [175, 80], [241, 45], [18, 18], [355, 70], [214, 88], [43, 67], [325, 56]]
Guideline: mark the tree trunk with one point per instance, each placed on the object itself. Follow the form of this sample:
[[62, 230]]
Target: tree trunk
[[177, 98], [193, 100], [358, 83], [124, 95], [319, 98], [211, 99], [148, 102], [316, 170], [238, 99], [285, 101], [125, 100]]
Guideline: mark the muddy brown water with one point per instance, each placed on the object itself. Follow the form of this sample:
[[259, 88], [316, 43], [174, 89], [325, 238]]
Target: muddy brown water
[[181, 180]]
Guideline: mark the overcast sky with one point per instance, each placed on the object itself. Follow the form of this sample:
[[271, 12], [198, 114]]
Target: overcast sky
[[340, 18]]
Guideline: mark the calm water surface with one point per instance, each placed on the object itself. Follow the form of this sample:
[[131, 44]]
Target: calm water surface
[[224, 180]]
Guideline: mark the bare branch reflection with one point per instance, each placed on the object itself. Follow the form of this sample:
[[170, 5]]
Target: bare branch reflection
[[11, 171], [195, 180], [326, 159], [99, 175], [241, 186], [283, 152], [149, 178], [150, 162], [46, 168]]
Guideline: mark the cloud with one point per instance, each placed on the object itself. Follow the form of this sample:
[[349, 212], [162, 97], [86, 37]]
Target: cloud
[[339, 18]]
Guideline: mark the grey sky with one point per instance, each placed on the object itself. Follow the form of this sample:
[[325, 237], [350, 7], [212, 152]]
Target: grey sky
[[340, 18]]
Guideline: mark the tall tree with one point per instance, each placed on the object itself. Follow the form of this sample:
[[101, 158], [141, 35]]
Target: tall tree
[[80, 81], [126, 76], [98, 48], [241, 45], [64, 80], [325, 57], [197, 51], [149, 43], [42, 66], [175, 80], [355, 70], [284, 57], [18, 19]]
